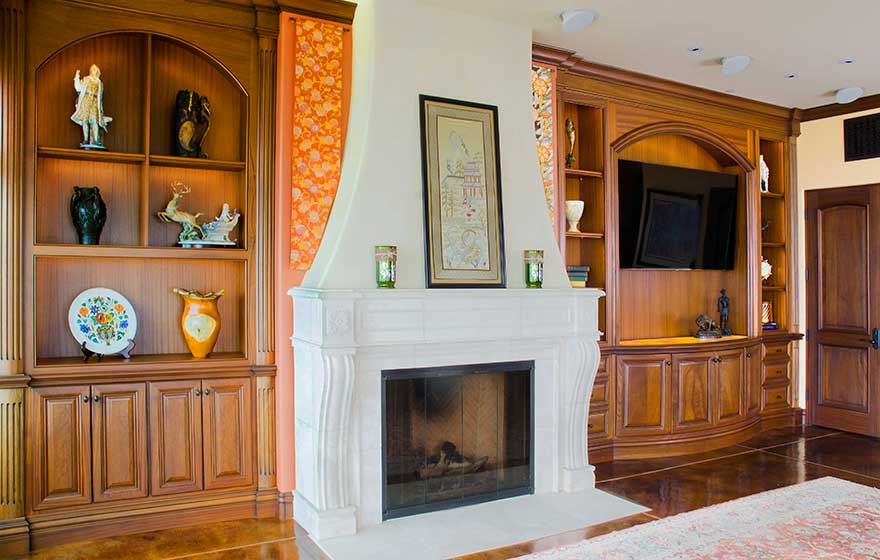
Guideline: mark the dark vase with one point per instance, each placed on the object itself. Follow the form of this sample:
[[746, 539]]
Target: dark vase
[[88, 212]]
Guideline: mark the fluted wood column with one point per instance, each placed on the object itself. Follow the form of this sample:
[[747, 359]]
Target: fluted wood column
[[13, 527]]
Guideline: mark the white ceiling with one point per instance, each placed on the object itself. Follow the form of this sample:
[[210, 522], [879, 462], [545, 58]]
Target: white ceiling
[[805, 37]]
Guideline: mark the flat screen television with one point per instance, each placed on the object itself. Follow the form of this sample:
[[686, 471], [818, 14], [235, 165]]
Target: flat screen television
[[676, 218]]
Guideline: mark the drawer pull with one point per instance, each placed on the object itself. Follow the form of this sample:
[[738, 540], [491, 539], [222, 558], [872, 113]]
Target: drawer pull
[[778, 397], [589, 425]]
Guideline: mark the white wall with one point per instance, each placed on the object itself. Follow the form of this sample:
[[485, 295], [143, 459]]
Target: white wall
[[403, 48], [820, 165]]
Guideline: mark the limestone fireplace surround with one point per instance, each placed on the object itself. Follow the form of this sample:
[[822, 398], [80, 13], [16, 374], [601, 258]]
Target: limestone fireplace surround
[[344, 339]]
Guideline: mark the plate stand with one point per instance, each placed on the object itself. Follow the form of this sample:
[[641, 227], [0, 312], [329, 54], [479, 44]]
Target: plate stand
[[125, 353]]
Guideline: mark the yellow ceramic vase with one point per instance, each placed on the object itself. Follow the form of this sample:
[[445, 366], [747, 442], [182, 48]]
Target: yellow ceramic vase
[[200, 321]]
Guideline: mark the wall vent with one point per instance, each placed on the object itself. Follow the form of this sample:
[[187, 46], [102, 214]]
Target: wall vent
[[861, 137]]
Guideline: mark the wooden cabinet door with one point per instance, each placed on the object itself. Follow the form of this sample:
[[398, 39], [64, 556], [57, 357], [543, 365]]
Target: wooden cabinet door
[[754, 372], [692, 390], [731, 380], [119, 440], [643, 386], [60, 419], [843, 308], [175, 437], [226, 409]]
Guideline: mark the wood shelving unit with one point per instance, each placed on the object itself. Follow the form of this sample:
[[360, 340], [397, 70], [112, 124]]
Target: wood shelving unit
[[774, 225]]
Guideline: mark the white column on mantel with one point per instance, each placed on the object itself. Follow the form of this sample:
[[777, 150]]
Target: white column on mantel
[[343, 339]]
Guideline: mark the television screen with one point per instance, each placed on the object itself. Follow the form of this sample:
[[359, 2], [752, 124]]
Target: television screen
[[672, 217]]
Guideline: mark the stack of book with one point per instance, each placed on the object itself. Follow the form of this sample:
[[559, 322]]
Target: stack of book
[[578, 276]]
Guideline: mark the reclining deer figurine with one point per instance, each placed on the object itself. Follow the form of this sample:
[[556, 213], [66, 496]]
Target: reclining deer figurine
[[191, 229]]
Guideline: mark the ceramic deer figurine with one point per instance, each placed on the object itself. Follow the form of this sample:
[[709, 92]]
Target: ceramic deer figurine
[[191, 229]]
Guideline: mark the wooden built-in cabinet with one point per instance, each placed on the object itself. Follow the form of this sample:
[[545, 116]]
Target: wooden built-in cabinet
[[643, 384], [175, 437], [228, 444]]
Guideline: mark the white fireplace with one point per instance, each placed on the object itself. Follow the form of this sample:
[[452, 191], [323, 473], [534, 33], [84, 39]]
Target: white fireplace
[[344, 340]]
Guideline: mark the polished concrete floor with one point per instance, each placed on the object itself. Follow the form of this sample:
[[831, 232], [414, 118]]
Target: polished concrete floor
[[668, 486]]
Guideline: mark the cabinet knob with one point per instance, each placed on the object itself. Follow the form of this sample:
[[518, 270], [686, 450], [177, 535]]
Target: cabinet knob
[[668, 362], [748, 354], [589, 425], [85, 398], [198, 393], [207, 392], [97, 398]]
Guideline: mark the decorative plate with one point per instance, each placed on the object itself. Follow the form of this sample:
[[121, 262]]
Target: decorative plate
[[103, 319]]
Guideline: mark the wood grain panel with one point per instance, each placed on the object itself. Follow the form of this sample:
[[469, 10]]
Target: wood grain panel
[[643, 394], [228, 432], [119, 440], [843, 234], [175, 437], [730, 373], [692, 381], [210, 190], [754, 369], [120, 190], [12, 449], [266, 465], [677, 151], [61, 437], [843, 377], [147, 283], [630, 118], [120, 58], [177, 67]]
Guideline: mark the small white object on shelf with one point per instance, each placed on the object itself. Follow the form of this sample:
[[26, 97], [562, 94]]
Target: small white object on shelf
[[765, 176], [574, 209], [103, 322]]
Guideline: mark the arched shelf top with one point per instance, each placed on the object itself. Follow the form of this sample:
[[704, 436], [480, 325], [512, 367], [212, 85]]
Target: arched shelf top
[[716, 145]]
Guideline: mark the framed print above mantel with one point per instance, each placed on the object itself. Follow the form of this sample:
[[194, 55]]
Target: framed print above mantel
[[461, 173]]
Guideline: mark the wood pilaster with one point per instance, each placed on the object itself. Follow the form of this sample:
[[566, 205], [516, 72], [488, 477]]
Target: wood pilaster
[[266, 432]]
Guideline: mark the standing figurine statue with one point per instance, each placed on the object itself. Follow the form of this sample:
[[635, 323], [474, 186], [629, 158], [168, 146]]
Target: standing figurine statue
[[724, 312], [89, 112], [572, 138]]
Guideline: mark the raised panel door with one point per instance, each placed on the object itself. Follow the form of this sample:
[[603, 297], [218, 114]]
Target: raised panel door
[[119, 439], [226, 409], [730, 371], [754, 371], [643, 388], [175, 437], [60, 419], [692, 390]]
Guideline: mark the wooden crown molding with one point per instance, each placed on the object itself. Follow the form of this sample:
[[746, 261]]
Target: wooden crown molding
[[333, 10], [568, 61], [836, 109]]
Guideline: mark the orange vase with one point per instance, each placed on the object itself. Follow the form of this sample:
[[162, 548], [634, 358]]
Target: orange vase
[[200, 321]]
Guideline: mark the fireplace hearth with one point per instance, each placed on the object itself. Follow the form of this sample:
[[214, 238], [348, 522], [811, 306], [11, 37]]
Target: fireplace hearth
[[456, 435]]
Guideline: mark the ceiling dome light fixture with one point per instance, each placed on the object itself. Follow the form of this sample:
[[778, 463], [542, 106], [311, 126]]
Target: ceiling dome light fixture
[[577, 20], [848, 94], [731, 65]]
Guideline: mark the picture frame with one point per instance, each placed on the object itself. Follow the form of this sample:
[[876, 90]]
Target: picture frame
[[461, 176]]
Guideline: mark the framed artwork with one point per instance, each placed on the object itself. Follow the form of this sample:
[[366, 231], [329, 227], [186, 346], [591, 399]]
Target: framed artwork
[[461, 172]]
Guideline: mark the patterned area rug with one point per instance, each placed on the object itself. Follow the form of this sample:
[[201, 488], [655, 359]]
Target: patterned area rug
[[820, 519]]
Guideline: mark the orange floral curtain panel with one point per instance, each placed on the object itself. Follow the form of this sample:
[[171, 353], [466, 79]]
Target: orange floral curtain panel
[[318, 130], [543, 93]]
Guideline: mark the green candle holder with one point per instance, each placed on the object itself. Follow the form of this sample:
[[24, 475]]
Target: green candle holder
[[386, 266], [534, 262]]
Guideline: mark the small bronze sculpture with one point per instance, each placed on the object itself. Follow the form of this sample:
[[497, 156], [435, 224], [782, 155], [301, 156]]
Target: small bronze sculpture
[[572, 138], [193, 122], [724, 312], [89, 213], [708, 328]]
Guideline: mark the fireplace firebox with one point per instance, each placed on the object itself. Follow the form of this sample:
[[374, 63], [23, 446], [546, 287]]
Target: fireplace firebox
[[455, 436]]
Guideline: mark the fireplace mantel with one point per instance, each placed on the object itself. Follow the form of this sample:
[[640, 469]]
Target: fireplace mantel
[[343, 339]]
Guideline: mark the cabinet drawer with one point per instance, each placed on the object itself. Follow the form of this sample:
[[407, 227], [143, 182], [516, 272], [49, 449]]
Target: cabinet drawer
[[597, 424], [775, 372], [777, 397], [776, 352], [599, 396], [603, 366]]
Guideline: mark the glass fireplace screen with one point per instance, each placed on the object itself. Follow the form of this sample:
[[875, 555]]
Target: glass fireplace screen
[[455, 436]]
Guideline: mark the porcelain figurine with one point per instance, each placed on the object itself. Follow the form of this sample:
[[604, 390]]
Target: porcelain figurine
[[193, 123], [766, 271], [89, 213], [89, 112], [200, 320], [192, 231], [765, 176], [574, 209], [217, 232], [572, 138]]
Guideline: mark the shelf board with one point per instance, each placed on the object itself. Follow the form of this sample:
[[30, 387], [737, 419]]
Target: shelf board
[[773, 288], [583, 173], [117, 362], [773, 244], [136, 251], [89, 155], [679, 340], [196, 163], [585, 235], [772, 195]]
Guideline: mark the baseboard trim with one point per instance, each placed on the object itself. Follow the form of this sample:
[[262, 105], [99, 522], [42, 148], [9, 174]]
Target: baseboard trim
[[285, 505], [14, 537]]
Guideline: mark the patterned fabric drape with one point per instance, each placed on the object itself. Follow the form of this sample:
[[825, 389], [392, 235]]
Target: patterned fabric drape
[[317, 135], [543, 91]]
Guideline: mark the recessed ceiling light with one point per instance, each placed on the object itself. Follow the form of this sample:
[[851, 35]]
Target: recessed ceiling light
[[791, 76], [848, 94], [577, 20], [695, 48], [847, 61], [735, 64]]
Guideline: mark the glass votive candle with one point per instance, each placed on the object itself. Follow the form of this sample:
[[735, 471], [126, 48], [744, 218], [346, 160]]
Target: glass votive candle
[[386, 266], [534, 262]]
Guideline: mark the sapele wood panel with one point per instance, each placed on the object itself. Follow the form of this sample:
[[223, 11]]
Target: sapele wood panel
[[120, 57], [148, 284], [643, 384], [175, 437], [119, 440], [693, 389], [730, 376], [177, 67], [228, 432], [120, 189], [754, 369]]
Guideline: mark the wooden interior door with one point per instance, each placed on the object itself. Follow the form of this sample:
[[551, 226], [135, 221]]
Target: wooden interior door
[[226, 409], [119, 440], [843, 304], [692, 390], [731, 379], [175, 437], [61, 418], [643, 383]]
